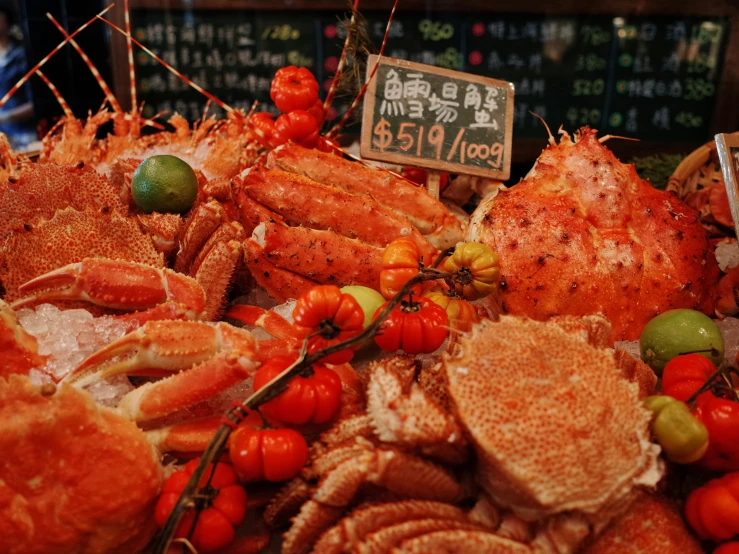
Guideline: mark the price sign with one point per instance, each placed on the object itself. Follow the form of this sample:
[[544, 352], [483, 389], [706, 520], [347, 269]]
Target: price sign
[[431, 117]]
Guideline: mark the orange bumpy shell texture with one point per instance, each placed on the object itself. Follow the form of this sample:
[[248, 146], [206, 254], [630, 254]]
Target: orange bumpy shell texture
[[651, 526], [555, 424], [584, 234], [68, 237], [45, 188], [74, 478]]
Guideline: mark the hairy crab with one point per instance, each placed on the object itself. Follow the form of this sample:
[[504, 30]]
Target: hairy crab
[[88, 479], [583, 234], [559, 434]]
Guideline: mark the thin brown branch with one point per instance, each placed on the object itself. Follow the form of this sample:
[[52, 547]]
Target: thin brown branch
[[271, 390]]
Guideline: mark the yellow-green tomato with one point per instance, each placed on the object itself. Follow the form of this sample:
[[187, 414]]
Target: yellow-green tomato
[[369, 299], [676, 332], [683, 438]]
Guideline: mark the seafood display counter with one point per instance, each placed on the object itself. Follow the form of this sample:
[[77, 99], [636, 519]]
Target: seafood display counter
[[223, 332]]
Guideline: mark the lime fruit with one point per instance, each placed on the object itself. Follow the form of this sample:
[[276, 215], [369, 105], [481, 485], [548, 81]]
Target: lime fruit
[[677, 332], [164, 184], [369, 299]]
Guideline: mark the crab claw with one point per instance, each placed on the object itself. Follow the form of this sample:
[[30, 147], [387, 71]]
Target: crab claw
[[115, 284], [164, 347], [188, 388]]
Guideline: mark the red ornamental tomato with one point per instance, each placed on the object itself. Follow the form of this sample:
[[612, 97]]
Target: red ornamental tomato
[[298, 126], [294, 88], [215, 525], [721, 418], [316, 110], [328, 145], [314, 399], [728, 548], [684, 375], [713, 509], [329, 316], [271, 454], [416, 326], [419, 176], [263, 125]]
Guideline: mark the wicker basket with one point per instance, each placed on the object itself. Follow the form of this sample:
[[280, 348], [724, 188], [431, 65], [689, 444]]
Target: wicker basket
[[694, 180]]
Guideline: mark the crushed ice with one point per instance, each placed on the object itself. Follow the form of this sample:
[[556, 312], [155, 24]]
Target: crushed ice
[[69, 336]]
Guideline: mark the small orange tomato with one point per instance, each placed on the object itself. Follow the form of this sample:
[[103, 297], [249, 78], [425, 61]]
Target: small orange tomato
[[401, 261], [462, 314]]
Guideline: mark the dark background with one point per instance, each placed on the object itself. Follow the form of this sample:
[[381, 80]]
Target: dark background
[[69, 73]]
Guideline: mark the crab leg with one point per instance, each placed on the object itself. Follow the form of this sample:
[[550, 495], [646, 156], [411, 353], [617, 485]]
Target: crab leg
[[163, 347], [425, 212], [191, 436], [280, 284], [203, 223], [270, 321], [302, 201], [252, 213], [321, 255], [115, 284], [185, 389], [215, 274]]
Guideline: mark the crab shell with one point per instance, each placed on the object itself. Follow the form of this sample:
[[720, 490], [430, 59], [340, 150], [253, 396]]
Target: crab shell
[[583, 234], [556, 425], [75, 478], [651, 526]]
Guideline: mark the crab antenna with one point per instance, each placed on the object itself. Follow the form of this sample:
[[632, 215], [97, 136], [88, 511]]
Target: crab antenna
[[549, 132], [48, 56], [342, 60], [336, 128], [129, 49], [88, 62], [59, 98], [608, 137], [197, 87]]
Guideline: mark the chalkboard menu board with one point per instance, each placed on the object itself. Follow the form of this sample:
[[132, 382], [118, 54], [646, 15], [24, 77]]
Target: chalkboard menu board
[[654, 78], [417, 114]]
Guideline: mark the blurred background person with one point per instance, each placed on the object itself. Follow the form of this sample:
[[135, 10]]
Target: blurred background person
[[16, 116]]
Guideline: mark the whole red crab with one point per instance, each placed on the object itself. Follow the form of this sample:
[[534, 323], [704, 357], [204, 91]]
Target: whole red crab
[[583, 234]]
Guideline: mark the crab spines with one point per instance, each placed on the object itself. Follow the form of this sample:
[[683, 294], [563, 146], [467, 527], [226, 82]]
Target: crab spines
[[115, 284], [185, 389]]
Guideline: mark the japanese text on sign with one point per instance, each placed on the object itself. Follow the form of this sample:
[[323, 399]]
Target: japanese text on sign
[[437, 118]]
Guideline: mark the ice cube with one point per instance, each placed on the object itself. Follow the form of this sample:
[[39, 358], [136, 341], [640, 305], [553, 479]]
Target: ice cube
[[630, 346], [286, 310], [730, 330], [109, 392]]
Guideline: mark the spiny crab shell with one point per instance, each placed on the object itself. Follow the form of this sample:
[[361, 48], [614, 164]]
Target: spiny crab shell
[[556, 426], [583, 234], [74, 476]]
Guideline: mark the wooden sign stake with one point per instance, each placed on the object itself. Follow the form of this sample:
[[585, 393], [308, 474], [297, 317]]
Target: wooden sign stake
[[433, 183]]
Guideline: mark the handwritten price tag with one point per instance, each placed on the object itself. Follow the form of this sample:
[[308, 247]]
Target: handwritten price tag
[[431, 117]]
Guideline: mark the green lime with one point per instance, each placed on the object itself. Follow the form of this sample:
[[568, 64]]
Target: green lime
[[677, 332], [164, 184]]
